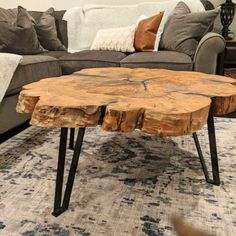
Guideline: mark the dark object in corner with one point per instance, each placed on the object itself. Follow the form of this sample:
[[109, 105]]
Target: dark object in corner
[[227, 16]]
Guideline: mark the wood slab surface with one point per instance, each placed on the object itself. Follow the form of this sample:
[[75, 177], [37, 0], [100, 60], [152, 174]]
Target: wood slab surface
[[156, 101]]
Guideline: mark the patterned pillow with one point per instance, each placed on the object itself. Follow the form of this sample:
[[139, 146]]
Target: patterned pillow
[[115, 39]]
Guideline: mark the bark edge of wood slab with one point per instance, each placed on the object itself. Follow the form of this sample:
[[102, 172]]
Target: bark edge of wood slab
[[156, 101]]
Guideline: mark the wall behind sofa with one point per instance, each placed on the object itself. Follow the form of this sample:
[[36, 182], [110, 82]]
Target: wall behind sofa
[[64, 4]]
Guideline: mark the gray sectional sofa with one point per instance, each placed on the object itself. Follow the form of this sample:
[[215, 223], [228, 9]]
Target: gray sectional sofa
[[56, 63]]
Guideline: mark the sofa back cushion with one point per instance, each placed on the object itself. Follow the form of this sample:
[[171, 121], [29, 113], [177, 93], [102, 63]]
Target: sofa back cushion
[[184, 29], [19, 37], [60, 23], [47, 31], [8, 15], [84, 22]]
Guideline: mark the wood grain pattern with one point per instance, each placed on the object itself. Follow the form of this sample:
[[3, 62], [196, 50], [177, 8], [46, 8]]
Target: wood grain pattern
[[156, 101]]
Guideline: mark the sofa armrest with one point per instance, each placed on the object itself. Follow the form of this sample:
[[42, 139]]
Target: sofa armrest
[[206, 56]]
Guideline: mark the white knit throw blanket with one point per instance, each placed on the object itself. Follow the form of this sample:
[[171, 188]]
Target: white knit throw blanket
[[8, 65], [84, 22]]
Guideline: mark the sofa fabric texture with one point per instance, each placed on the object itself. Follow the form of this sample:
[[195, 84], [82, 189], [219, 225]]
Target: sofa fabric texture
[[9, 117], [20, 37], [31, 69], [55, 54], [162, 59], [47, 32], [184, 29], [207, 51], [90, 59], [8, 15]]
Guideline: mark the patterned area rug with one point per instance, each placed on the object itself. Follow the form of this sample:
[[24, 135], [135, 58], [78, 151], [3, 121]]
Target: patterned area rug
[[231, 72], [127, 184]]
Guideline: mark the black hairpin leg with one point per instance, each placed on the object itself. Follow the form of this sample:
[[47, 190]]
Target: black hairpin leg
[[72, 138], [61, 205], [213, 153]]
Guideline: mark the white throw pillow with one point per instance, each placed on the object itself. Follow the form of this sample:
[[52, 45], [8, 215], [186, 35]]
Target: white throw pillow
[[117, 39]]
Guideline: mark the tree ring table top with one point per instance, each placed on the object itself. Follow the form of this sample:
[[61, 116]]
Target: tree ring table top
[[156, 101]]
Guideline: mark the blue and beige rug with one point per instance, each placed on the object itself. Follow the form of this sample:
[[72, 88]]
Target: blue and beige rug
[[127, 184]]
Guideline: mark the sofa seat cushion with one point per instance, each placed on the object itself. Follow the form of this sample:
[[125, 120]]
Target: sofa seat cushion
[[31, 69], [161, 59], [90, 59], [56, 54]]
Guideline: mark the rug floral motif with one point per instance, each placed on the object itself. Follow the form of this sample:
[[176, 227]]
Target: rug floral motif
[[127, 184]]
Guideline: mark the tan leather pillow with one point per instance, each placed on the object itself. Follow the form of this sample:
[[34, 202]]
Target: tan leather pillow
[[145, 35]]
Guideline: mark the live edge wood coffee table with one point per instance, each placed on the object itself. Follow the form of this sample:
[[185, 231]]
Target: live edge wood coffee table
[[157, 102]]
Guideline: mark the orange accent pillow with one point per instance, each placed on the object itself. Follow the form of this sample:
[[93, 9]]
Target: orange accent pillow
[[145, 35]]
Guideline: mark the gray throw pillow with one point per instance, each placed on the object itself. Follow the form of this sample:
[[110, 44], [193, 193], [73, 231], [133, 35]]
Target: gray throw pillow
[[184, 29], [8, 14], [19, 37], [47, 32]]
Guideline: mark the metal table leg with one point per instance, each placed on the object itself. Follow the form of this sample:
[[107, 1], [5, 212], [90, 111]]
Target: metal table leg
[[72, 138], [61, 205], [213, 151]]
